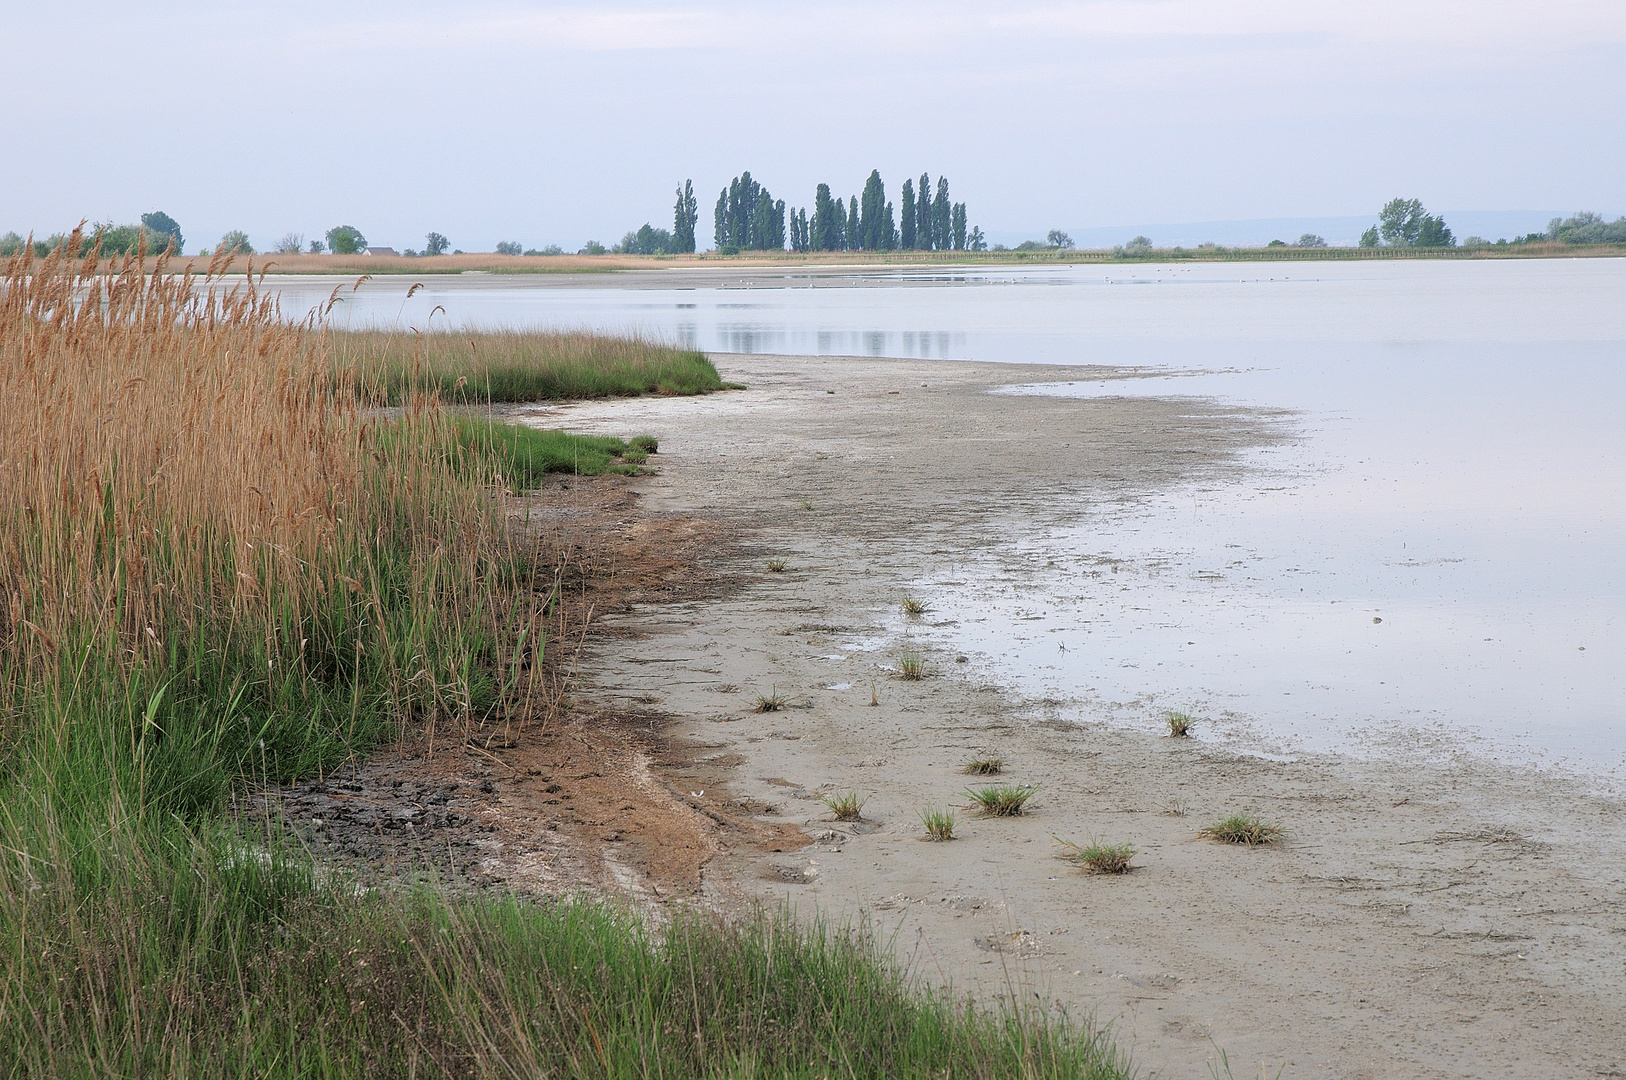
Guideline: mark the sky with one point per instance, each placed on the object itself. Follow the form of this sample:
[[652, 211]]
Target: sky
[[563, 122]]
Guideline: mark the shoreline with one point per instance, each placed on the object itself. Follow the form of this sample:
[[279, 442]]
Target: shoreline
[[274, 265], [1453, 918]]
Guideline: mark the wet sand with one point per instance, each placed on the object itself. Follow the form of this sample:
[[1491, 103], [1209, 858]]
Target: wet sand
[[1429, 916]]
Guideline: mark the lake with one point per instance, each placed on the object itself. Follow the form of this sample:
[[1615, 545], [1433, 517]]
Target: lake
[[1437, 559]]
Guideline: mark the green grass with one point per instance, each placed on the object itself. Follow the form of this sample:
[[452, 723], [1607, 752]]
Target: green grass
[[1179, 723], [1001, 800], [1245, 829], [773, 702], [911, 665], [520, 366], [915, 606], [524, 455], [939, 824], [984, 766], [1098, 857], [846, 806]]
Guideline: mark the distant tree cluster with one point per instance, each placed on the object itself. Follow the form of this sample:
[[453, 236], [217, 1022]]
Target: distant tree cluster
[[157, 233], [646, 241], [747, 218], [921, 221], [1586, 228], [1404, 223]]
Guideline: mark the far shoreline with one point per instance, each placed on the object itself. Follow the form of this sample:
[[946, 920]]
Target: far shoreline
[[273, 264]]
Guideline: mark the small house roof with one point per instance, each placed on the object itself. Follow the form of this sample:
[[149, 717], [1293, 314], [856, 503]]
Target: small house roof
[[382, 251]]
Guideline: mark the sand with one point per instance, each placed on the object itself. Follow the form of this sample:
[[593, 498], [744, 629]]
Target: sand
[[1426, 916]]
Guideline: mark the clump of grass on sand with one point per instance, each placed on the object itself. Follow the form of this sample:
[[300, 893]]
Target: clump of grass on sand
[[519, 365], [1242, 829], [524, 455], [984, 766], [773, 702], [914, 606], [911, 665], [1098, 857], [775, 566], [217, 572], [939, 824], [846, 806], [1001, 800], [1179, 723]]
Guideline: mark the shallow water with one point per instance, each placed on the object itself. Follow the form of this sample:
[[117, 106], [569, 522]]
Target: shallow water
[[1436, 560]]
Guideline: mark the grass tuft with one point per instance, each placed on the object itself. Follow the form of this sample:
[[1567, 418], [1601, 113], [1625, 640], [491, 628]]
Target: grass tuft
[[846, 806], [775, 565], [939, 824], [914, 606], [1001, 800], [773, 702], [1243, 829], [911, 665], [1098, 857], [984, 766], [1179, 723]]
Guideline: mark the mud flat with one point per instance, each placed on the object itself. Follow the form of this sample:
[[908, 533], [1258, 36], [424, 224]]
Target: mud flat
[[1444, 917]]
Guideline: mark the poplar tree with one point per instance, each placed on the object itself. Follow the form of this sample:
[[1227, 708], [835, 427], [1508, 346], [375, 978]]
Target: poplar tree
[[685, 215], [824, 234], [838, 227], [855, 230], [958, 225], [906, 202], [876, 231], [942, 227], [923, 214]]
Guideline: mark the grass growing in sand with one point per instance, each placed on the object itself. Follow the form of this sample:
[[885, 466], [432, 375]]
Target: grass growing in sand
[[216, 570], [775, 565], [914, 606], [1242, 829], [1179, 723], [524, 455], [1098, 857], [772, 702], [939, 824], [846, 806], [984, 766], [515, 366], [1001, 800], [911, 665]]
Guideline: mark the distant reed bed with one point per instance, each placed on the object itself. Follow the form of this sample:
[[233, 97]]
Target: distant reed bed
[[519, 365]]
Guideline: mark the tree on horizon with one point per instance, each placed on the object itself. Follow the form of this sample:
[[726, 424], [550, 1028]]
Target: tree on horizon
[[906, 202], [685, 215]]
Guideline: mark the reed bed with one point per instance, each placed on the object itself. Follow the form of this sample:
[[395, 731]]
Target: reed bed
[[515, 366], [216, 570]]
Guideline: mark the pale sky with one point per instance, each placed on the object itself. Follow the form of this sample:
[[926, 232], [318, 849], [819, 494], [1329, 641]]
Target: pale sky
[[561, 122]]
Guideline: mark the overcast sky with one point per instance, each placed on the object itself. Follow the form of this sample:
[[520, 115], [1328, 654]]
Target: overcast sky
[[561, 122]]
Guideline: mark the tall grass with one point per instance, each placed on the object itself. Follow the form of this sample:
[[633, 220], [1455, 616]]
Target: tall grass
[[512, 366], [215, 571]]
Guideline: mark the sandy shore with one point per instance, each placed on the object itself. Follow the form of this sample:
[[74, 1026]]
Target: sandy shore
[[1440, 919]]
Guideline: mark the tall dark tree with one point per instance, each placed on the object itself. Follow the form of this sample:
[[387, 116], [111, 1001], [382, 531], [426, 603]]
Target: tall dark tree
[[720, 218], [855, 227], [162, 223], [957, 223], [840, 227], [942, 217], [875, 230], [906, 203], [889, 229], [923, 214], [824, 233], [685, 215]]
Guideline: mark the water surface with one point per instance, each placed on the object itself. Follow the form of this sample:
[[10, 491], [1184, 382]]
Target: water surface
[[1436, 560]]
